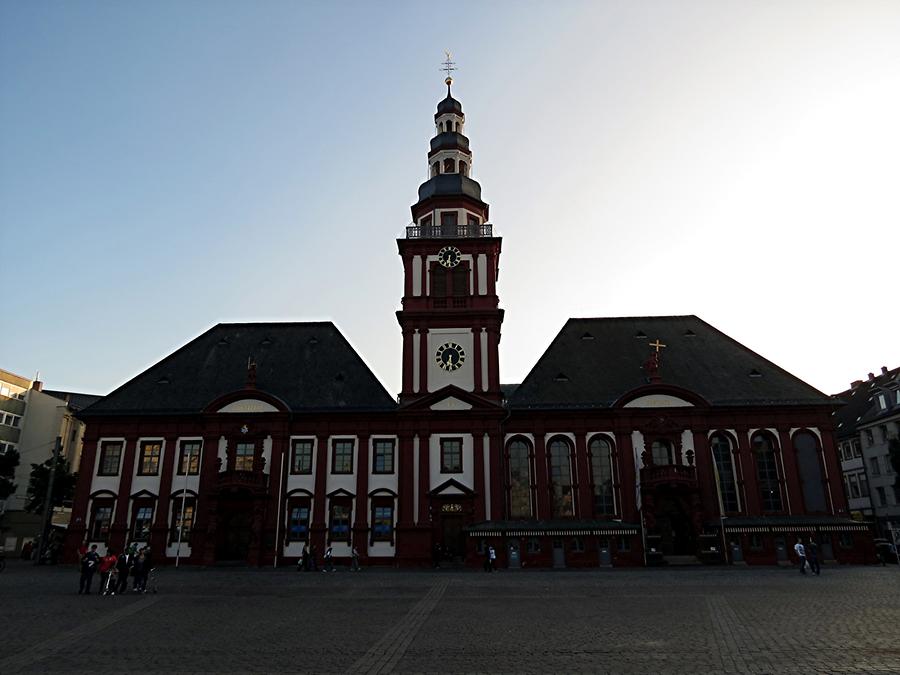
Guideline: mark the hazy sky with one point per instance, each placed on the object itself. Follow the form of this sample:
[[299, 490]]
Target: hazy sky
[[166, 166]]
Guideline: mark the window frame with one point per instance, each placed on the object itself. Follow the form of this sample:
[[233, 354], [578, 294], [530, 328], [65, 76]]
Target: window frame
[[104, 447], [152, 458], [595, 486], [190, 507], [392, 446], [240, 460], [771, 451], [334, 504], [137, 505], [731, 483], [295, 443], [297, 502], [105, 502], [335, 442], [444, 442], [566, 489], [382, 503], [180, 469], [528, 448]]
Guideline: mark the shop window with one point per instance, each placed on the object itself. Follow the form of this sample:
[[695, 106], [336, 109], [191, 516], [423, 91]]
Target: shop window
[[301, 456], [342, 456], [189, 459], [383, 456], [110, 457], [148, 461]]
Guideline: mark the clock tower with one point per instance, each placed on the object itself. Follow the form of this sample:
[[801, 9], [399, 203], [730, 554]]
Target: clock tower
[[451, 316]]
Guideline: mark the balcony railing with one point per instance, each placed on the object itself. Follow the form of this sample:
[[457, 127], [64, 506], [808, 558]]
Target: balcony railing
[[449, 231], [669, 474]]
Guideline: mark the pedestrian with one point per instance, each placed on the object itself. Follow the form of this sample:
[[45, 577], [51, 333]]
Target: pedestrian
[[812, 555], [123, 564], [801, 554], [107, 565], [354, 560], [492, 558], [89, 563], [329, 567], [487, 559], [303, 563], [148, 568], [137, 572]]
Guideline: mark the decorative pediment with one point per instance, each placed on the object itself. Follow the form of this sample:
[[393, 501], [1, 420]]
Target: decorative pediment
[[660, 396], [340, 492], [658, 401], [143, 494], [248, 405], [246, 401], [451, 487], [451, 398]]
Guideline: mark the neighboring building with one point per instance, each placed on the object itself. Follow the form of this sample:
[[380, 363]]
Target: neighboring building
[[30, 421], [878, 426], [632, 440]]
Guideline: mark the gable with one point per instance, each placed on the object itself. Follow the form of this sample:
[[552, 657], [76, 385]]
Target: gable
[[451, 403]]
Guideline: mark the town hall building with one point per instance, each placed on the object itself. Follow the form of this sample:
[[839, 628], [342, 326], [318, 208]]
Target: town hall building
[[632, 441]]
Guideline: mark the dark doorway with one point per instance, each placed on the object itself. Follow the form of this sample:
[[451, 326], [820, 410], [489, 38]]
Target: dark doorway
[[673, 524], [452, 533], [233, 530]]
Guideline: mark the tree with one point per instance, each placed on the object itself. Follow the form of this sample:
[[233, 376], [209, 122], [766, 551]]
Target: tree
[[9, 460], [63, 485]]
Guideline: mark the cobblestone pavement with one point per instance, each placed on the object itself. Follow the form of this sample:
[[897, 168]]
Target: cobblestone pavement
[[699, 620]]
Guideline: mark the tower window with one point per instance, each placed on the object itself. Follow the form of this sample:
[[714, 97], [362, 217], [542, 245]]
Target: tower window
[[435, 169], [449, 165], [464, 168], [449, 221]]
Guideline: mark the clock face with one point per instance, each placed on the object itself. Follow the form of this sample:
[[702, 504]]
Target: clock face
[[450, 356], [449, 256]]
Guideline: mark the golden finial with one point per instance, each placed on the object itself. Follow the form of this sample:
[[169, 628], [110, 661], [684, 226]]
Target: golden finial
[[448, 66]]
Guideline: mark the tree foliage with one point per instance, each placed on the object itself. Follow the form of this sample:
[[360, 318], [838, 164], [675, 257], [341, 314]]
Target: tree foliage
[[9, 460], [63, 485]]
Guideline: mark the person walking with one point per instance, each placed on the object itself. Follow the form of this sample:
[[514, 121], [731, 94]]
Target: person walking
[[801, 554], [137, 572], [107, 565], [89, 563], [492, 558], [354, 560], [148, 568], [812, 555], [122, 565], [303, 563], [329, 567]]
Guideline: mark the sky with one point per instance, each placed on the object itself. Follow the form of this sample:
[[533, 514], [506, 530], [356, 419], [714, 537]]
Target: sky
[[167, 166]]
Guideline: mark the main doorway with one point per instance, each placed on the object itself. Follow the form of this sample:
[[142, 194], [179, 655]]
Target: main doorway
[[674, 527], [234, 529]]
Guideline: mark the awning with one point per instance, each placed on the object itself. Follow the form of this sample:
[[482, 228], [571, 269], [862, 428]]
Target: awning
[[552, 528]]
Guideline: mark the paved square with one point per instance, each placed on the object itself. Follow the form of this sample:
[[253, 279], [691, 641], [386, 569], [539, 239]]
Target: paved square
[[699, 620]]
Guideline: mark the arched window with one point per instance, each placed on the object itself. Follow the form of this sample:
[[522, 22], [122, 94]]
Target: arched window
[[721, 450], [464, 168], [435, 169], [561, 477], [806, 446], [767, 472], [601, 474], [662, 452], [449, 165], [518, 460]]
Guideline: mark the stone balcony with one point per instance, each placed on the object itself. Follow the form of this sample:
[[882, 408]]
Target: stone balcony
[[671, 475]]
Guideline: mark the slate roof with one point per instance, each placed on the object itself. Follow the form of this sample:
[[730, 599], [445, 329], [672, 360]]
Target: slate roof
[[860, 405], [591, 363], [309, 366]]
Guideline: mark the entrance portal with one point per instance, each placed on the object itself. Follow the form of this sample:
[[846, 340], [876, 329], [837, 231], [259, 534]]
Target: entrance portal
[[235, 520], [452, 532], [673, 524]]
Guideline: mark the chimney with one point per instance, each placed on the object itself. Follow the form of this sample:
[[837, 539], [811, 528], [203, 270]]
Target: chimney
[[871, 376], [37, 385], [884, 370]]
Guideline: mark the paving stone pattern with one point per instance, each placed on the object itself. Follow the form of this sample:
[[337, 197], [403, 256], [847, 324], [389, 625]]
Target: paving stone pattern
[[225, 620]]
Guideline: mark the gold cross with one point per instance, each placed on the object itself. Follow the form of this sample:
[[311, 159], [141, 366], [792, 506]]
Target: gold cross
[[449, 66], [657, 344]]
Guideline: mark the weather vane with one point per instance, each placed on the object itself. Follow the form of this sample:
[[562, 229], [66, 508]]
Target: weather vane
[[449, 66]]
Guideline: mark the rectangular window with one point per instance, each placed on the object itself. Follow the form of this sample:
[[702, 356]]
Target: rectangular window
[[301, 456], [382, 520], [179, 524], [577, 545], [342, 456], [874, 466], [143, 519], [870, 438], [863, 485], [438, 281], [854, 487], [110, 456], [383, 457], [339, 527], [857, 448], [449, 221], [882, 496], [9, 419], [846, 540], [451, 455], [459, 279], [189, 462], [243, 456], [888, 467], [298, 519], [148, 464], [101, 519], [624, 544]]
